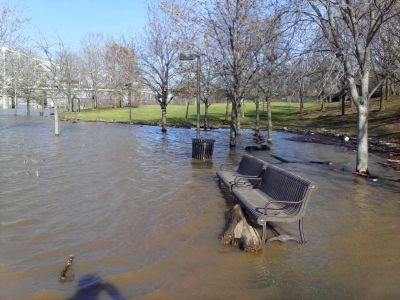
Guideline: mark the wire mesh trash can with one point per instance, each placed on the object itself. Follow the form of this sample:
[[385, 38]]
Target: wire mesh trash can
[[202, 149]]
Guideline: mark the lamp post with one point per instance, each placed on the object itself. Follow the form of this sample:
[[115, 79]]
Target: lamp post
[[202, 149], [192, 56]]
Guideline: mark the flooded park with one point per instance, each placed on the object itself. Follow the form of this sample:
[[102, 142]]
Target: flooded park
[[144, 218]]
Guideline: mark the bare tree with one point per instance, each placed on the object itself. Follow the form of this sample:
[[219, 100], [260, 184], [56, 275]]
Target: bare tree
[[350, 28], [28, 77], [93, 47], [232, 28], [386, 57], [208, 85], [274, 54], [159, 58], [59, 75], [121, 68], [11, 23]]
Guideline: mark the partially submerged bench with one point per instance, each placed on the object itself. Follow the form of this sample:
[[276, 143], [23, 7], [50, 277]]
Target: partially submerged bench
[[279, 197], [249, 168]]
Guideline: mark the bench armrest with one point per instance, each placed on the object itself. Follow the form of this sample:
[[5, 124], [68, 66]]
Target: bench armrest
[[222, 166], [281, 201], [243, 179]]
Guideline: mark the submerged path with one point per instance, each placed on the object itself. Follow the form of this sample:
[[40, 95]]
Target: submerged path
[[137, 212]]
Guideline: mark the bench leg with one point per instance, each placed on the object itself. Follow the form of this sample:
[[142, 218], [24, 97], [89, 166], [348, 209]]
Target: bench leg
[[264, 234], [301, 229]]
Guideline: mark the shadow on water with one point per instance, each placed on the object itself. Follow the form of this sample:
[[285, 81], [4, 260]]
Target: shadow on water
[[92, 287]]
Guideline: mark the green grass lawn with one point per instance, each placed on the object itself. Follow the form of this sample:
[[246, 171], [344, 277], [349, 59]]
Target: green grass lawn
[[381, 123], [150, 114]]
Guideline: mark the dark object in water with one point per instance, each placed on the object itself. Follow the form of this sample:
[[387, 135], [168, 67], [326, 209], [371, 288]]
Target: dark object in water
[[281, 159], [257, 148], [66, 272], [321, 162], [258, 139], [284, 160], [91, 287]]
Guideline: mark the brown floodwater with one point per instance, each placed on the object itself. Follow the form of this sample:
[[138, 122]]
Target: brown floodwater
[[141, 216]]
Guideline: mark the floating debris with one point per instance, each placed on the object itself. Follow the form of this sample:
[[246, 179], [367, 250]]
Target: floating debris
[[66, 273]]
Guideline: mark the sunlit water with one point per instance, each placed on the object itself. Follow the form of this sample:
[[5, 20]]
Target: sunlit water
[[136, 211]]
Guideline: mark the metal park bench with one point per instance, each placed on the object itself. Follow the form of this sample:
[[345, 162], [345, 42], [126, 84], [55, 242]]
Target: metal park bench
[[279, 197], [249, 168]]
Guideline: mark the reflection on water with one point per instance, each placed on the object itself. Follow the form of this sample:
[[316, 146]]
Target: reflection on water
[[136, 211]]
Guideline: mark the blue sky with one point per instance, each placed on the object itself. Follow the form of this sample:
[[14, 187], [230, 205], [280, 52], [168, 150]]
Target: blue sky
[[72, 19]]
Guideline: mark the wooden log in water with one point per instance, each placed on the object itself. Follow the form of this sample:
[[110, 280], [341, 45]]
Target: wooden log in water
[[66, 274], [257, 148], [239, 232], [393, 161], [284, 160], [281, 159]]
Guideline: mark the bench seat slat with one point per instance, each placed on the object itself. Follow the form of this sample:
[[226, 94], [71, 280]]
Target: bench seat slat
[[254, 200]]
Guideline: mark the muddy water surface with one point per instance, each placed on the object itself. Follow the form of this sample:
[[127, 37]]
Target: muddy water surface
[[137, 212]]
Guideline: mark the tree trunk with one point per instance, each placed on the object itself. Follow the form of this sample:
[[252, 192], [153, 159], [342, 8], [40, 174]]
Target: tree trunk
[[187, 110], [239, 232], [206, 105], [240, 108], [94, 98], [362, 137], [301, 100], [16, 103], [269, 112], [227, 110], [257, 129], [386, 89], [361, 102], [28, 107], [234, 123], [56, 120], [343, 104], [381, 99], [42, 106], [163, 118], [69, 98]]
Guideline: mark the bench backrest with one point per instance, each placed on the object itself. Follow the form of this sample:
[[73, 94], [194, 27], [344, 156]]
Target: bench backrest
[[251, 166], [282, 185]]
